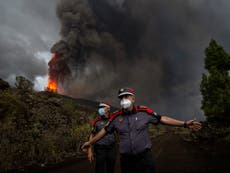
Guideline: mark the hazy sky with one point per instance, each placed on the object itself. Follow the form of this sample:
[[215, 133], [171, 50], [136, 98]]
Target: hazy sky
[[27, 31], [29, 28]]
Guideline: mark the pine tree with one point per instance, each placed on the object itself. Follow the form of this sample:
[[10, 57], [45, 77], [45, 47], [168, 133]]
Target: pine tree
[[215, 86]]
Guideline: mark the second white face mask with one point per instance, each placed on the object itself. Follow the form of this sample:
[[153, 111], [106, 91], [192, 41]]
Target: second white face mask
[[125, 103]]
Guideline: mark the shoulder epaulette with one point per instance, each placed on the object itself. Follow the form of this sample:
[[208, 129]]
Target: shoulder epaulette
[[114, 115], [141, 106], [96, 120], [144, 109]]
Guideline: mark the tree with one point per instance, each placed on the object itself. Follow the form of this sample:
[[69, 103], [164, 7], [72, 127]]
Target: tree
[[23, 83], [215, 86]]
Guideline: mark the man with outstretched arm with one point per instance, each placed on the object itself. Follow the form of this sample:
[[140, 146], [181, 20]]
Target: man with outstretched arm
[[131, 124]]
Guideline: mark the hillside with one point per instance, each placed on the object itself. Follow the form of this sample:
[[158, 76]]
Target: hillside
[[40, 128]]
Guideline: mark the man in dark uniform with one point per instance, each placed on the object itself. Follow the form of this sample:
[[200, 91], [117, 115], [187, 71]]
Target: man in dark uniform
[[104, 149], [131, 124]]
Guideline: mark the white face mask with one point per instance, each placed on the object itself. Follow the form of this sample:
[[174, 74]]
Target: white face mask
[[125, 103]]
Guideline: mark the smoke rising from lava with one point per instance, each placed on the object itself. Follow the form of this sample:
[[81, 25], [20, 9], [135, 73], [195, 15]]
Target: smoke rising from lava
[[153, 46]]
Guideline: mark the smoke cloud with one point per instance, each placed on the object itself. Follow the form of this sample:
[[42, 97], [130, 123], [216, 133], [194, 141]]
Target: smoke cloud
[[154, 46]]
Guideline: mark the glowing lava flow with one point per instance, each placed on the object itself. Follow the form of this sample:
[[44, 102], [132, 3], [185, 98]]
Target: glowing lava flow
[[52, 85]]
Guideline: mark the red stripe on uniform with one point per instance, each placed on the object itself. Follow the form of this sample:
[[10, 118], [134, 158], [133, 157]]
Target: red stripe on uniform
[[114, 115], [147, 110], [96, 120]]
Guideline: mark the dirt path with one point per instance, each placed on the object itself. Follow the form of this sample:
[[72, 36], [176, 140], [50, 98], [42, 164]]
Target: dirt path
[[171, 154]]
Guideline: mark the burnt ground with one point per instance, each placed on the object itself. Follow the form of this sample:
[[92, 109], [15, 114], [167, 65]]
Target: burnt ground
[[171, 154]]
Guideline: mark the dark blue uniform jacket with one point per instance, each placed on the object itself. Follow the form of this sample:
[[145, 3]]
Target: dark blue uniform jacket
[[132, 128], [98, 124]]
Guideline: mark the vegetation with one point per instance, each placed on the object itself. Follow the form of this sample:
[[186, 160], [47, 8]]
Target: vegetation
[[215, 86], [39, 128], [215, 89]]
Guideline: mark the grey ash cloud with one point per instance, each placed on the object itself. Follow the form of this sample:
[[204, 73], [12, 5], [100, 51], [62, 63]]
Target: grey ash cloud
[[155, 46]]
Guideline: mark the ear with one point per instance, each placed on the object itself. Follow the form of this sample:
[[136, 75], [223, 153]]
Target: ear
[[133, 99]]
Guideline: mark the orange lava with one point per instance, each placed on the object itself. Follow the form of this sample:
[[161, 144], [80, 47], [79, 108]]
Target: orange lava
[[52, 86]]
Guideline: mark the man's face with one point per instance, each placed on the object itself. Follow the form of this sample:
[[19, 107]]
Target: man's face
[[129, 97], [107, 110]]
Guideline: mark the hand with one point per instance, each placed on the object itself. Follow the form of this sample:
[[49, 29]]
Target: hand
[[90, 155], [85, 146], [194, 125]]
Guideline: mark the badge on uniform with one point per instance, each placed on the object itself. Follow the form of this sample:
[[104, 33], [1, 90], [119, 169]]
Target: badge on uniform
[[142, 106], [122, 90], [120, 120]]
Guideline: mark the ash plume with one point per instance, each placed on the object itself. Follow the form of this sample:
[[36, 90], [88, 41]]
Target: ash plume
[[154, 46]]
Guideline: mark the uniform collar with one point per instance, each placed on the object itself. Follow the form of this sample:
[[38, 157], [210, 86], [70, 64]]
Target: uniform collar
[[133, 111], [104, 118]]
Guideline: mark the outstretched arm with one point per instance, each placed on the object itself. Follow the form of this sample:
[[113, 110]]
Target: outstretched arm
[[192, 124], [90, 150], [91, 141]]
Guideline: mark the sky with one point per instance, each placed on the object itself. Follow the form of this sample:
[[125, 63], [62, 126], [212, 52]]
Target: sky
[[175, 31], [27, 31]]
